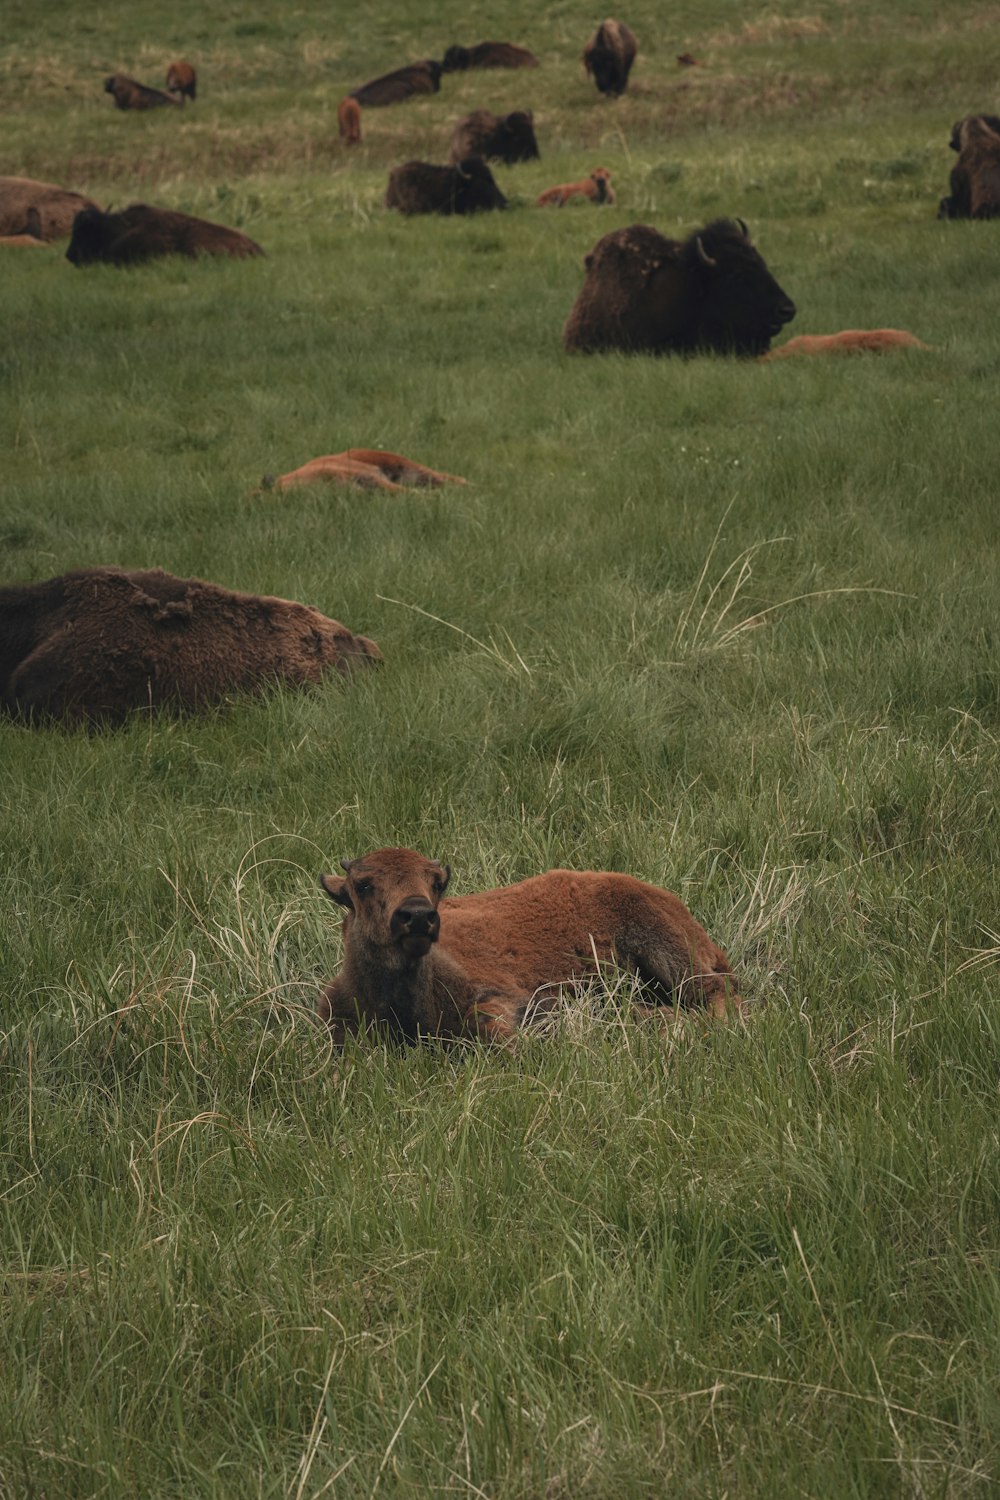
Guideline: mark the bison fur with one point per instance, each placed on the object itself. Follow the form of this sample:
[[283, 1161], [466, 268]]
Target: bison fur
[[468, 187], [142, 232], [507, 138], [488, 55], [597, 187], [129, 94], [403, 83], [349, 121], [56, 207], [609, 55], [848, 341], [975, 177], [183, 80]]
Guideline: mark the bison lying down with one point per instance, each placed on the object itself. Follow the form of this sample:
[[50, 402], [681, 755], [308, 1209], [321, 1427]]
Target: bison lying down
[[98, 643], [508, 138], [711, 291], [56, 207], [403, 83], [418, 965], [488, 55], [368, 468], [848, 341], [468, 187], [597, 187], [141, 232], [129, 94]]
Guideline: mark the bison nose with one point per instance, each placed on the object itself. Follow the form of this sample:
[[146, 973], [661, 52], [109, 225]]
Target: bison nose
[[786, 310], [416, 919]]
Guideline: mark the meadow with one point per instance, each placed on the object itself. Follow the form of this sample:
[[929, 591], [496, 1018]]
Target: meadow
[[732, 628]]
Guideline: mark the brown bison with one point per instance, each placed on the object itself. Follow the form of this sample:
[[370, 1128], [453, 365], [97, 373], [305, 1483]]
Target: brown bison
[[597, 187], [391, 88], [141, 232], [29, 234], [975, 177], [128, 94], [468, 187], [710, 292], [349, 121], [182, 79], [98, 643], [368, 468], [508, 138], [848, 341], [55, 207], [609, 55], [488, 55], [416, 964]]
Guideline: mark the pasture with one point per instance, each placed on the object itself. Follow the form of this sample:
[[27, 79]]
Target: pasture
[[732, 628]]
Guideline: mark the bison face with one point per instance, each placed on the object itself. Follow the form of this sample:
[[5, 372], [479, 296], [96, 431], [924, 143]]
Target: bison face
[[742, 306], [455, 60], [476, 187], [90, 236], [392, 897]]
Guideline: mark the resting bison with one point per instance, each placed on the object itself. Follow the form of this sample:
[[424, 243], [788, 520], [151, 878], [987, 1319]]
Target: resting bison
[[369, 468], [417, 965], [141, 232], [597, 187], [711, 292], [609, 55], [98, 643], [488, 55], [848, 341], [391, 88], [128, 94], [56, 207], [468, 187], [349, 121], [508, 138], [182, 79], [975, 177]]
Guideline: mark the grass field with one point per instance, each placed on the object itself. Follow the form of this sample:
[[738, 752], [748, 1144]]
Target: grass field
[[732, 628]]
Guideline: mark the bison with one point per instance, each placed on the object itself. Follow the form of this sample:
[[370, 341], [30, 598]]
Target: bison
[[349, 121], [391, 88], [30, 233], [597, 187], [96, 644], [975, 177], [370, 468], [56, 207], [507, 138], [419, 965], [710, 292], [487, 55], [182, 79], [848, 341], [468, 187], [128, 94], [609, 55], [141, 232]]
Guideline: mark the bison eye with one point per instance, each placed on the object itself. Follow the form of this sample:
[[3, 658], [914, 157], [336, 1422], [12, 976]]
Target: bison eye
[[362, 887], [438, 884]]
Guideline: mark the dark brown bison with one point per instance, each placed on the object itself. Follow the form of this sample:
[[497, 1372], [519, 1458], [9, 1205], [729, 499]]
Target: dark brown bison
[[349, 121], [182, 79], [141, 232], [488, 55], [128, 94], [416, 964], [391, 88], [468, 187], [709, 292], [98, 643], [508, 138], [597, 187], [975, 177], [609, 55], [56, 207]]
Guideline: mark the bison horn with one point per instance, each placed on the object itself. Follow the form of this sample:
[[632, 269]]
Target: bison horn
[[703, 254], [345, 864], [743, 228]]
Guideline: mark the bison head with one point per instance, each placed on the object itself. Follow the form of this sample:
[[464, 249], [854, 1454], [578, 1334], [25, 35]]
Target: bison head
[[516, 137], [90, 236], [392, 899], [740, 306], [476, 186], [455, 60]]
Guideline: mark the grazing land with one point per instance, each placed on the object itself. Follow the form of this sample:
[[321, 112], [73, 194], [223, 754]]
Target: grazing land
[[732, 628]]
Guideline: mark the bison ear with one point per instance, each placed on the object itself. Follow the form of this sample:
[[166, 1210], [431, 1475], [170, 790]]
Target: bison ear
[[447, 877], [336, 890]]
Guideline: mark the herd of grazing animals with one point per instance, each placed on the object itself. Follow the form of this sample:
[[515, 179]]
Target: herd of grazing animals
[[93, 646]]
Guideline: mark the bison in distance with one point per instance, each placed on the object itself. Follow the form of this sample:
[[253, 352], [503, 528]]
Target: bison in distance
[[141, 232], [402, 83], [129, 94], [94, 645], [488, 55], [507, 138], [597, 188], [710, 292], [609, 55], [418, 965], [468, 187], [975, 177], [183, 80]]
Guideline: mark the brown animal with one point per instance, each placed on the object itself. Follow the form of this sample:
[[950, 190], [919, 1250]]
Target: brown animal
[[687, 60], [182, 79], [55, 207], [98, 643], [421, 187], [609, 55], [349, 121], [508, 138], [488, 55], [420, 965], [403, 83], [129, 94], [141, 232], [850, 341], [597, 187], [368, 468], [30, 234], [975, 177]]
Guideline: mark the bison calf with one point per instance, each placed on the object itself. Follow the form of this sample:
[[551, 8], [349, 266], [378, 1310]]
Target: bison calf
[[597, 187], [508, 138], [848, 341], [468, 187], [128, 94], [609, 55], [141, 232], [417, 964], [182, 79], [96, 644], [349, 121]]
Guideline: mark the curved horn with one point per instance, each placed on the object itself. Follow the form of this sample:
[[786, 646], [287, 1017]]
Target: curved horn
[[345, 864], [703, 254], [743, 227]]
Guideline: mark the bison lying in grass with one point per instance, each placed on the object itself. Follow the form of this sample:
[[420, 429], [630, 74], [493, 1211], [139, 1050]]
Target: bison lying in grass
[[368, 468], [488, 55], [418, 965], [508, 138], [710, 292], [55, 207], [468, 187], [597, 187], [96, 644], [975, 177], [129, 94], [848, 341], [609, 55], [402, 83], [141, 232]]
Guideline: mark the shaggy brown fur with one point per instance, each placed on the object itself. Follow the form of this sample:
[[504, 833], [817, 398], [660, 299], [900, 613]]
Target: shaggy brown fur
[[687, 60], [850, 341], [129, 94], [30, 234], [141, 232], [349, 121], [975, 177], [419, 965], [369, 468], [420, 187], [403, 83], [56, 207], [508, 138], [99, 643], [488, 55], [182, 79], [609, 55], [597, 187]]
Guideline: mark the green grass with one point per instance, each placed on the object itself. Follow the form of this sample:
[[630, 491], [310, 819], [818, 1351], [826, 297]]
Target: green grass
[[733, 629]]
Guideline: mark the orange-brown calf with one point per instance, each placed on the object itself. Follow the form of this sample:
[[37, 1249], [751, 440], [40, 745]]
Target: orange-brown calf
[[419, 965], [850, 341], [349, 121], [182, 79], [369, 468], [597, 187]]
